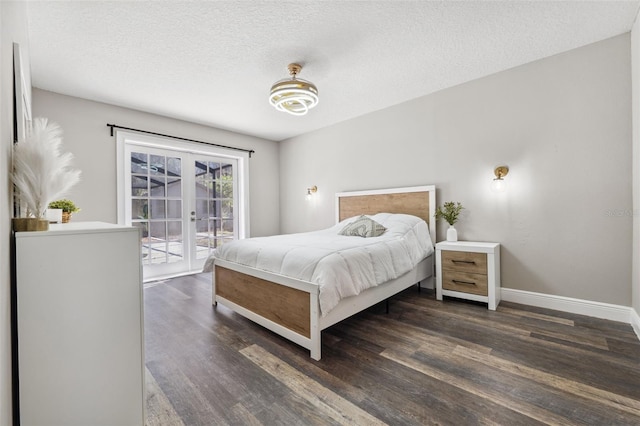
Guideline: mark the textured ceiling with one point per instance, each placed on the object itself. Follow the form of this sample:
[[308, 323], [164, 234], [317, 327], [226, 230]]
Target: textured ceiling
[[213, 62]]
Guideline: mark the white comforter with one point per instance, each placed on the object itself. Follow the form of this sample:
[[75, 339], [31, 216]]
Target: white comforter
[[342, 266]]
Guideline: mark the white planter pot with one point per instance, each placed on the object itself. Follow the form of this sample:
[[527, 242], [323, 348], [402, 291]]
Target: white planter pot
[[452, 234]]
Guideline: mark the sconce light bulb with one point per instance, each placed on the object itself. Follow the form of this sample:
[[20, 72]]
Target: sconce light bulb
[[498, 185], [310, 191]]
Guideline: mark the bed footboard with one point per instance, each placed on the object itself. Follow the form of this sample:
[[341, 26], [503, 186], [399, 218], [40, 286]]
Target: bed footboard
[[286, 306], [289, 307]]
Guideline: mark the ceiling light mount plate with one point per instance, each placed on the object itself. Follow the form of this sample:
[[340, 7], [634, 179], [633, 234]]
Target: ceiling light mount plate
[[294, 69], [501, 171]]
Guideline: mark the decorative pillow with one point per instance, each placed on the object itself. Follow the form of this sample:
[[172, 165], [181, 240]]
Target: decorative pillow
[[363, 227]]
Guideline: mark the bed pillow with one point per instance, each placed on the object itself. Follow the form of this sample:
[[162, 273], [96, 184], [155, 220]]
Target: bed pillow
[[363, 227]]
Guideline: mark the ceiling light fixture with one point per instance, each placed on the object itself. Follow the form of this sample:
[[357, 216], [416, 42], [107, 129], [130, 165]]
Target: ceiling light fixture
[[294, 95]]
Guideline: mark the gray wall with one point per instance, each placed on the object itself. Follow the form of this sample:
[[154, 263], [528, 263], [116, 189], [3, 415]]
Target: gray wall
[[635, 79], [86, 135], [562, 124], [13, 28]]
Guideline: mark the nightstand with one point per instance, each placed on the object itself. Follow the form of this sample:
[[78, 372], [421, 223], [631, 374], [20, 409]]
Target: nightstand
[[468, 270]]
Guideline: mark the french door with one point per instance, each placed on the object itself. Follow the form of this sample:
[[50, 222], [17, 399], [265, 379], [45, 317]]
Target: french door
[[185, 204]]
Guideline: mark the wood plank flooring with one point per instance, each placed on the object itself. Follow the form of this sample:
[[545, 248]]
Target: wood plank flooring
[[426, 362]]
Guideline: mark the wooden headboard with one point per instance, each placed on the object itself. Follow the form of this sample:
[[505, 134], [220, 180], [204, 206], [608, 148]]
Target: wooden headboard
[[416, 200]]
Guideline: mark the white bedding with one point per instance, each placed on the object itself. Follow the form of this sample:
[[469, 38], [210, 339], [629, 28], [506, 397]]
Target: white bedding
[[342, 266]]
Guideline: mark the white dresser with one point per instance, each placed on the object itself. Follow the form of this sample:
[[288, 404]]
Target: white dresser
[[80, 325]]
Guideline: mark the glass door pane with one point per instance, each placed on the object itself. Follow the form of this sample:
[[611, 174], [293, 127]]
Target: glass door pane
[[214, 205], [157, 209]]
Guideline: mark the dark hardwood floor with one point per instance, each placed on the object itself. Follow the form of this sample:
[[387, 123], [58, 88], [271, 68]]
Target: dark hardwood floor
[[426, 362]]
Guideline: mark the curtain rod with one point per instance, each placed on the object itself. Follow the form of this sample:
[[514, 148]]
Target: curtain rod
[[115, 126]]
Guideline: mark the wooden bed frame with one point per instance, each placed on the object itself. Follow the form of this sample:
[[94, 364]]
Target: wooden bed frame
[[290, 307]]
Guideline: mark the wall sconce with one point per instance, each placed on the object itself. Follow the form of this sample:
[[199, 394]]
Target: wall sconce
[[311, 191], [499, 184]]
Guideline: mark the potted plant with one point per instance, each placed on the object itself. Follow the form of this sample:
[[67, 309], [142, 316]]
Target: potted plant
[[67, 206], [41, 174], [450, 212]]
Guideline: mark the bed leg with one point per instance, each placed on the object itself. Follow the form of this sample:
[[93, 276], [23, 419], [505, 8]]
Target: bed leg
[[316, 343], [419, 288], [315, 333], [214, 303], [315, 354], [386, 304]]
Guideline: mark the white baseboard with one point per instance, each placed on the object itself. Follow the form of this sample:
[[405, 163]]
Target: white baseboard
[[575, 306], [635, 322]]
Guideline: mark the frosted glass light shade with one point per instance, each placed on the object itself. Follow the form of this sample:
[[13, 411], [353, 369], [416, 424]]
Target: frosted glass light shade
[[498, 185]]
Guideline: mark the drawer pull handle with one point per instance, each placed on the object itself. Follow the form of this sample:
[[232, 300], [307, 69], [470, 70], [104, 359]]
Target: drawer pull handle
[[471, 262], [463, 282]]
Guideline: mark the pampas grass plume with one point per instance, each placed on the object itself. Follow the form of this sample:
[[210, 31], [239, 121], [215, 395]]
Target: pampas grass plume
[[41, 172]]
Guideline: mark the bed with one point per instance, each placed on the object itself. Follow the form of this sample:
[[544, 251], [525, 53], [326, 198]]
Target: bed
[[290, 306]]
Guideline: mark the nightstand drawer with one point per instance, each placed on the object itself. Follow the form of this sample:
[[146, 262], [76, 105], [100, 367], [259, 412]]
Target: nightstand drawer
[[464, 261], [465, 282]]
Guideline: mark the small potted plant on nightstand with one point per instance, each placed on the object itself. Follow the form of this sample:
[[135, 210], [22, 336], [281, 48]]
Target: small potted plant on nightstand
[[450, 212], [67, 206]]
